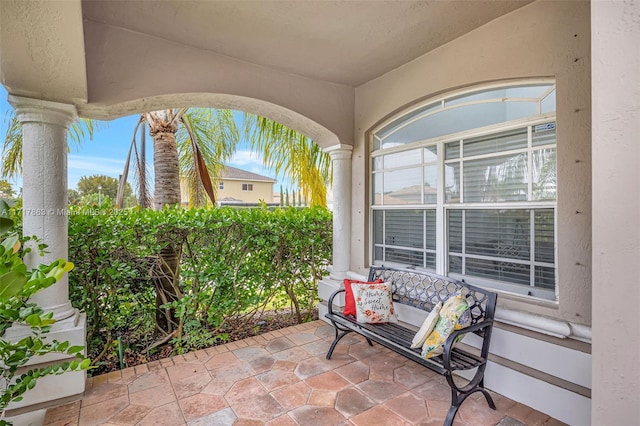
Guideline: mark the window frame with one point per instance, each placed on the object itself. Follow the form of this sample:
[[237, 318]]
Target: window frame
[[442, 207], [247, 187]]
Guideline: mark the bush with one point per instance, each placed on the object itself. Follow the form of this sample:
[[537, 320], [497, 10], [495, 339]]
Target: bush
[[234, 264]]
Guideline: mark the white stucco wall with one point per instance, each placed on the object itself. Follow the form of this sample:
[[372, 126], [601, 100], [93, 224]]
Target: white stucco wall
[[543, 39], [55, 71], [616, 212], [262, 191], [160, 74]]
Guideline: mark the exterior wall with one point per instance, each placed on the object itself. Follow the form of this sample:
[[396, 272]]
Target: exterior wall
[[543, 39], [538, 40], [321, 110], [58, 71], [616, 213], [233, 188]]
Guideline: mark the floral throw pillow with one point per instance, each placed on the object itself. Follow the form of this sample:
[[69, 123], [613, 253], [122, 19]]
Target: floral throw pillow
[[454, 315], [374, 303], [349, 303]]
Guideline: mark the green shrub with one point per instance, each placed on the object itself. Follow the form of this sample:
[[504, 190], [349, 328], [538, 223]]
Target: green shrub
[[234, 264]]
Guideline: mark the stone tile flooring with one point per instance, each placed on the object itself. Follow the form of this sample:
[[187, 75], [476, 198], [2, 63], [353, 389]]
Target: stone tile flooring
[[282, 378]]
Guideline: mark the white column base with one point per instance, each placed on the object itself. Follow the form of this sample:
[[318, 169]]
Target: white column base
[[33, 418], [326, 286], [52, 388]]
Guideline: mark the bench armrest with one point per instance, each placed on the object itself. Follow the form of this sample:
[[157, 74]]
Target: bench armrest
[[330, 302], [448, 345]]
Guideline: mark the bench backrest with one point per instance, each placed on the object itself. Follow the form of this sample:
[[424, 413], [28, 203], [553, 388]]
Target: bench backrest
[[423, 290]]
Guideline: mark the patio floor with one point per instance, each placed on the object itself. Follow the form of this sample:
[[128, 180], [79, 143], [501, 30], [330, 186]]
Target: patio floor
[[282, 378]]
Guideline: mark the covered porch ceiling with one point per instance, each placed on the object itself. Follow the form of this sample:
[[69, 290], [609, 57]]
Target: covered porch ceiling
[[105, 57]]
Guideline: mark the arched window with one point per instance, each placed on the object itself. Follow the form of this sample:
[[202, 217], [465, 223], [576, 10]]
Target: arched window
[[465, 185]]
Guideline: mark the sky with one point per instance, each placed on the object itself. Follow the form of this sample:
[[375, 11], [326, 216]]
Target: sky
[[106, 153]]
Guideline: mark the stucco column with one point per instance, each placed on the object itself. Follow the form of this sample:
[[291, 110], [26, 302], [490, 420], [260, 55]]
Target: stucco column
[[44, 179], [341, 158], [615, 90]]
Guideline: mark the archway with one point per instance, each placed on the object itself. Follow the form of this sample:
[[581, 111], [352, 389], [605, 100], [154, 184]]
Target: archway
[[45, 126]]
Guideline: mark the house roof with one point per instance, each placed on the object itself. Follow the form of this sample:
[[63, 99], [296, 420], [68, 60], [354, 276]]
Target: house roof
[[232, 173]]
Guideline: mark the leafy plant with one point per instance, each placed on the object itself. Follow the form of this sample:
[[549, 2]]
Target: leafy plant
[[234, 265], [17, 284]]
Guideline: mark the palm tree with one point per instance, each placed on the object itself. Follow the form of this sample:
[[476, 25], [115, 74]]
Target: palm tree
[[191, 143]]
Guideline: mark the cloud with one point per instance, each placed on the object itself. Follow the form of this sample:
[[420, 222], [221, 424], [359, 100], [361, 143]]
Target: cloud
[[243, 158], [251, 162], [83, 165], [95, 165]]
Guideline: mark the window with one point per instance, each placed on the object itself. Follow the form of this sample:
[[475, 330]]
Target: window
[[221, 185], [466, 186], [247, 187]]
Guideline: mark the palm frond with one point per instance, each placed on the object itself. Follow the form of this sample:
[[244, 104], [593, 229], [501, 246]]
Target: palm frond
[[123, 179], [83, 128], [12, 148], [200, 167], [177, 115], [138, 172], [292, 154], [216, 137], [125, 173]]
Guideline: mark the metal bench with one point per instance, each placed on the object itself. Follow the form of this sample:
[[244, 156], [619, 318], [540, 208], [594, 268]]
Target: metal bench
[[423, 290]]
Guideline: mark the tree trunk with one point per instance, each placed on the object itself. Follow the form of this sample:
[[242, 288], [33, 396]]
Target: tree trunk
[[167, 170], [166, 192]]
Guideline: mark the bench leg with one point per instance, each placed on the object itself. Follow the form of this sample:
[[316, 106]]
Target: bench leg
[[459, 394], [458, 397], [486, 394], [450, 415], [339, 335], [369, 341], [492, 404]]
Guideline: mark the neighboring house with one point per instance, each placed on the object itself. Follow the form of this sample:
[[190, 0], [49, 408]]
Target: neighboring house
[[495, 141], [244, 186], [237, 186]]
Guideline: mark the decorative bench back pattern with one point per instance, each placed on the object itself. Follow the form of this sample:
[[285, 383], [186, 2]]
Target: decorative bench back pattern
[[423, 290]]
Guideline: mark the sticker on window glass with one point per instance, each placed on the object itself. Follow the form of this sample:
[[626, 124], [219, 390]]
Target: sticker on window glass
[[544, 127]]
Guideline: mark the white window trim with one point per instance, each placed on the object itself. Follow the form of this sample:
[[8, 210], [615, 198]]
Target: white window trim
[[467, 134], [442, 251], [456, 93]]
